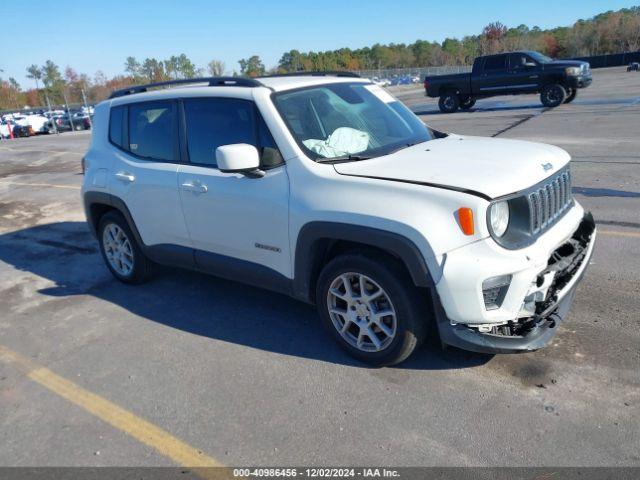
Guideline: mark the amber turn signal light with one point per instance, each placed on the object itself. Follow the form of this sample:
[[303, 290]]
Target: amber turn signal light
[[465, 218]]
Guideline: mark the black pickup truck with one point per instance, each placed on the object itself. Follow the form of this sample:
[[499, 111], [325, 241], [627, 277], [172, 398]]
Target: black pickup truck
[[512, 73]]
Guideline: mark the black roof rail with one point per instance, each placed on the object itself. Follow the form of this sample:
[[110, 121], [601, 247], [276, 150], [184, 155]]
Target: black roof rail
[[307, 73], [212, 81]]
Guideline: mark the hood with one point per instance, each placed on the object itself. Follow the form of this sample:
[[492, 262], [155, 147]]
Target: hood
[[567, 63], [488, 167]]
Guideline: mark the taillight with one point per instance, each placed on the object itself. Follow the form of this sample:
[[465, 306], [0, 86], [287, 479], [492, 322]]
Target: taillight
[[426, 84]]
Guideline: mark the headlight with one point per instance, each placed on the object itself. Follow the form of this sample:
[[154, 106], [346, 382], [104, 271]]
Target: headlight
[[572, 71], [499, 217]]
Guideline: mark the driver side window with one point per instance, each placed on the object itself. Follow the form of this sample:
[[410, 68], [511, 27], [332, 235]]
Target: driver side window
[[518, 61], [213, 122]]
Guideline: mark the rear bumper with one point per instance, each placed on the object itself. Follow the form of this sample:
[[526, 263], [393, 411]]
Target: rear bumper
[[541, 328]]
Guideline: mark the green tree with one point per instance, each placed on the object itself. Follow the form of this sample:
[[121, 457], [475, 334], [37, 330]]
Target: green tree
[[132, 67], [185, 67], [34, 73], [53, 82], [252, 66], [153, 70]]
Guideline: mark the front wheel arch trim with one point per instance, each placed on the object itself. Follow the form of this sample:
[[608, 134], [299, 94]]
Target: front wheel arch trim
[[312, 235]]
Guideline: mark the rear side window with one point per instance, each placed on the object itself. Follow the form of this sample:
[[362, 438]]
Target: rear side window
[[213, 122], [116, 124], [152, 130], [495, 63]]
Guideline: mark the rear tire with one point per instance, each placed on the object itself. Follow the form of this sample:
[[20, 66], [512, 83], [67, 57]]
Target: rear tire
[[120, 251], [467, 103], [571, 95], [390, 308], [449, 102], [553, 95]]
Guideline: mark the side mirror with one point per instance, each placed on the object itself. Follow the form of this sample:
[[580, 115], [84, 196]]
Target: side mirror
[[239, 158], [530, 65]]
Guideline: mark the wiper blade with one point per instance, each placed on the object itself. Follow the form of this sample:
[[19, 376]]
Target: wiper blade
[[401, 147], [344, 158]]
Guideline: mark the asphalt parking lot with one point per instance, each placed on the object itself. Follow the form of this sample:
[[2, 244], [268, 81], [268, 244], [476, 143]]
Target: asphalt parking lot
[[192, 369]]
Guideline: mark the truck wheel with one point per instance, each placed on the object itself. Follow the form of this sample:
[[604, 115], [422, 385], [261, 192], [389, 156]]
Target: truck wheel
[[371, 308], [449, 102], [467, 102], [120, 251], [553, 95], [571, 94]]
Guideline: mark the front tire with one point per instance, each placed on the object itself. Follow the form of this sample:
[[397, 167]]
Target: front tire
[[571, 95], [553, 95], [371, 308], [449, 102], [120, 251]]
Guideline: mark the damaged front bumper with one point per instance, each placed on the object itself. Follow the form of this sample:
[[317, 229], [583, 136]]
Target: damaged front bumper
[[566, 266]]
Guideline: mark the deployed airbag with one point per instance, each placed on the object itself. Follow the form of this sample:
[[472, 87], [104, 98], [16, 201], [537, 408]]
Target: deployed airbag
[[343, 141]]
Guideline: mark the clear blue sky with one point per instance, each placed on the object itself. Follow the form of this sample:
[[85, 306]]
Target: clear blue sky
[[93, 35]]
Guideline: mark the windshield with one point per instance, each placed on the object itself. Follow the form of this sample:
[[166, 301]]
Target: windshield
[[349, 121], [538, 57]]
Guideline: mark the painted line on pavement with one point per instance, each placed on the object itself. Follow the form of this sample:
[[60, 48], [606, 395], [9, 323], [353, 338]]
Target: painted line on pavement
[[48, 185], [615, 233], [116, 416]]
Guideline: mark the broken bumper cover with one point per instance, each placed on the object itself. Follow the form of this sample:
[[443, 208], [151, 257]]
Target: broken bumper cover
[[543, 327]]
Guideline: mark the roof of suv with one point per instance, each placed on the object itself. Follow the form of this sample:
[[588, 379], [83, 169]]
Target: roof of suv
[[276, 83], [290, 82]]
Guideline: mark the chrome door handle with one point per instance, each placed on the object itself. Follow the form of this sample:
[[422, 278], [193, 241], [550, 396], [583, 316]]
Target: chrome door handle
[[195, 187], [125, 177]]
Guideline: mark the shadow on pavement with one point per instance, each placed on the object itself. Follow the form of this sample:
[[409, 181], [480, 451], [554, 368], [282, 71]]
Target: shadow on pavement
[[66, 254], [480, 108], [604, 192]]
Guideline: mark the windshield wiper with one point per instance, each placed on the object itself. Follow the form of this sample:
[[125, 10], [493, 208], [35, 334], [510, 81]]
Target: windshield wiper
[[344, 158], [401, 147]]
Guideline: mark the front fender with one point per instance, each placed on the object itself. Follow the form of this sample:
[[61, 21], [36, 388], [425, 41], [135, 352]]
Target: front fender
[[310, 243]]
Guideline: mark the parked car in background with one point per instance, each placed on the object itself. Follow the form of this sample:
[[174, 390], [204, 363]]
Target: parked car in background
[[65, 124], [5, 129], [401, 80], [62, 123], [22, 130], [514, 73], [633, 66], [39, 124], [384, 82]]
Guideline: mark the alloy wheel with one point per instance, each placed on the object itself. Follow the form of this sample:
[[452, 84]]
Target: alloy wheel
[[361, 312], [118, 249]]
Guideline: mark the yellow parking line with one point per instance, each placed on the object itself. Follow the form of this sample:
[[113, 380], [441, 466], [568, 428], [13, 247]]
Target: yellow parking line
[[615, 233], [70, 187], [125, 421]]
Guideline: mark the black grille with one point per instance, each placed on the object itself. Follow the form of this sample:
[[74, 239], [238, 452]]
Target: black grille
[[549, 201]]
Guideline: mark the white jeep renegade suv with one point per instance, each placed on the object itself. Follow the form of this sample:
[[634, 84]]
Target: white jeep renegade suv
[[327, 188]]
